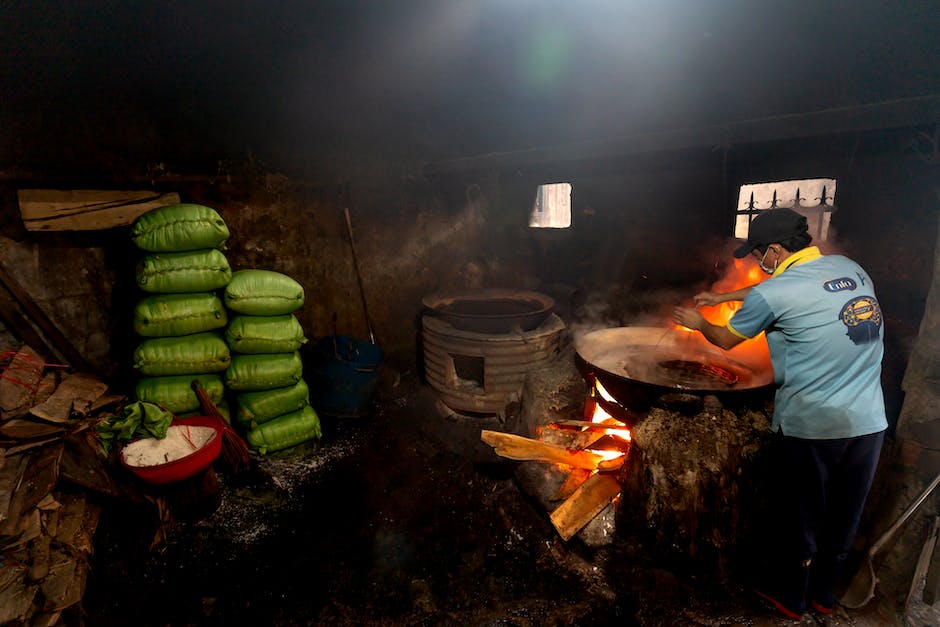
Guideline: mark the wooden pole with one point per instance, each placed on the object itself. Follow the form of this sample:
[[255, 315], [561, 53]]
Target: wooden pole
[[362, 291]]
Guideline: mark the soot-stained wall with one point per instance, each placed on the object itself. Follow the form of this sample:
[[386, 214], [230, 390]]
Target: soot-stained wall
[[647, 233]]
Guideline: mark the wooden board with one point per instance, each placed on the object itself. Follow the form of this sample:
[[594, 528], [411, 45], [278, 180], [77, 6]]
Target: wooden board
[[525, 449], [87, 209], [587, 502]]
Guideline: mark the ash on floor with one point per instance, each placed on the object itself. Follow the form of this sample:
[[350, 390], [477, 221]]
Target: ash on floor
[[386, 523]]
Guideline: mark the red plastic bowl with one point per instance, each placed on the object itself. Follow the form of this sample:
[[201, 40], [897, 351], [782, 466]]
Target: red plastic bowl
[[186, 466]]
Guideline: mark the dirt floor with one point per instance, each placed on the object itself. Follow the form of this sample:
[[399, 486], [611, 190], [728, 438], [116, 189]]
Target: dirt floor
[[400, 518]]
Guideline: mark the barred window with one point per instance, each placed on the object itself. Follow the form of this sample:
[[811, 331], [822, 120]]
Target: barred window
[[813, 198]]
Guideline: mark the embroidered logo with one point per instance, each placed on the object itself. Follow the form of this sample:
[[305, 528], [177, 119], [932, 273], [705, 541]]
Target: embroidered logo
[[862, 319], [840, 284]]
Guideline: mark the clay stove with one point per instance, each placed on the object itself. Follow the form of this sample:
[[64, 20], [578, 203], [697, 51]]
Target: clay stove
[[479, 345]]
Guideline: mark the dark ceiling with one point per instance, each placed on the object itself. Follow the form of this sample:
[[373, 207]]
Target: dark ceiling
[[289, 82]]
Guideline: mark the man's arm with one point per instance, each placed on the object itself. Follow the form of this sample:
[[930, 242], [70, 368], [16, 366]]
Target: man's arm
[[719, 336], [714, 298]]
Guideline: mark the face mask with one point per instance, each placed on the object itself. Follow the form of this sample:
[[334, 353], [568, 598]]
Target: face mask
[[764, 268]]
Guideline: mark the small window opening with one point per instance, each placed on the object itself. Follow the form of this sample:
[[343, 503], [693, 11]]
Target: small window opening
[[552, 206], [813, 198], [468, 372]]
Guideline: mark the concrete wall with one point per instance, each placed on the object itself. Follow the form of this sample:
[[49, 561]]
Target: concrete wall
[[647, 233]]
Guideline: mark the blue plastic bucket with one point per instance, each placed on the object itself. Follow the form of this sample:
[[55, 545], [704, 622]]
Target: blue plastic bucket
[[345, 373]]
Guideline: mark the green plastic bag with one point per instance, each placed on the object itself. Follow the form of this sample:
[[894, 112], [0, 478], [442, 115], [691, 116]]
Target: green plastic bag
[[255, 408], [135, 420], [188, 354], [285, 431], [175, 392], [263, 293], [169, 315], [264, 334], [180, 227], [187, 272], [250, 373]]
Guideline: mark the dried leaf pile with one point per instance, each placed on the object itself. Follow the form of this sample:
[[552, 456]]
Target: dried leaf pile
[[51, 467]]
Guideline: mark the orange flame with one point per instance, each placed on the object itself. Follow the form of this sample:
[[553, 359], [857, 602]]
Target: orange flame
[[742, 273], [600, 414]]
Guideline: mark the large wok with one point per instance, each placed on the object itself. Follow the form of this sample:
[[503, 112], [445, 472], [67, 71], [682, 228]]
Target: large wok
[[639, 366]]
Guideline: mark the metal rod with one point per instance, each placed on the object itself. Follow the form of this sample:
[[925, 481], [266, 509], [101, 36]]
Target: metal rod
[[362, 292]]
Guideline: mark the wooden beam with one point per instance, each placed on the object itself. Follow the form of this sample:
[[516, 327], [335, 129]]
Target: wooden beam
[[903, 113], [587, 502], [86, 209], [39, 317], [526, 449]]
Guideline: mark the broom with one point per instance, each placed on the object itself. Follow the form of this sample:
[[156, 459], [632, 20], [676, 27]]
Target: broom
[[234, 450]]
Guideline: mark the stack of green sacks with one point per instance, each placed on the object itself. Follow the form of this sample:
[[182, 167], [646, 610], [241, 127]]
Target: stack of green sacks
[[182, 317], [272, 402]]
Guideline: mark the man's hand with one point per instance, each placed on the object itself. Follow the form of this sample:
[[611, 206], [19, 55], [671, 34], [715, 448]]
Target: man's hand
[[721, 337], [688, 317], [704, 299]]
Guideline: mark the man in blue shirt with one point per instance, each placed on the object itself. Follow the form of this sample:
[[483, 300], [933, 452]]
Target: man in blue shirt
[[824, 328]]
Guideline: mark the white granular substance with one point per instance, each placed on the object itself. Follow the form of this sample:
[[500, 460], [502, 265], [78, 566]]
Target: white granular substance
[[179, 442]]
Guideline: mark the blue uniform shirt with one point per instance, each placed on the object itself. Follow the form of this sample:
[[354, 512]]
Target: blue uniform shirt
[[825, 333]]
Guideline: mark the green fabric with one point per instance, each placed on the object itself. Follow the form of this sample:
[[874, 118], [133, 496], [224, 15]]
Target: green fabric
[[249, 373], [169, 315], [285, 431], [186, 272], [175, 392], [135, 420], [180, 227], [188, 354], [255, 408], [263, 293], [264, 334]]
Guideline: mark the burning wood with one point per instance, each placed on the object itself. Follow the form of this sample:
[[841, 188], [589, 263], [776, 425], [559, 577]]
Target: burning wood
[[526, 449], [587, 502], [590, 485]]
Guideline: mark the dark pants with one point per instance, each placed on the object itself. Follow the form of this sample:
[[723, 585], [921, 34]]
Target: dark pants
[[823, 485]]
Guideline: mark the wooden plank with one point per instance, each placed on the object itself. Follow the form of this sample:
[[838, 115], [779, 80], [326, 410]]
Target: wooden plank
[[587, 502], [573, 481], [525, 449], [87, 209]]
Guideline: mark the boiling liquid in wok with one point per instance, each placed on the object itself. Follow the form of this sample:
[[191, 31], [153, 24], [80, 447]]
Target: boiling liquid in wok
[[690, 369]]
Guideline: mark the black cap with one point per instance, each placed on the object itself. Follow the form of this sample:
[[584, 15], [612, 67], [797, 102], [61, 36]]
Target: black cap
[[772, 227]]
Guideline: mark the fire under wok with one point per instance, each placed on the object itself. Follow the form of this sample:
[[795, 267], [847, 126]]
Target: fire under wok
[[640, 365]]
